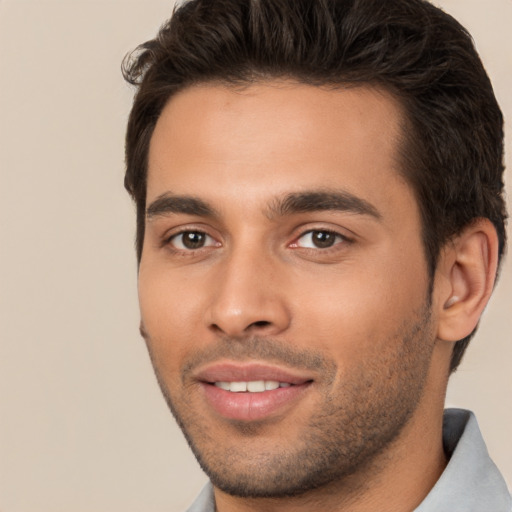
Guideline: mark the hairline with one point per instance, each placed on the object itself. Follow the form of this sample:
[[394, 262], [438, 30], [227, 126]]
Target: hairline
[[406, 137]]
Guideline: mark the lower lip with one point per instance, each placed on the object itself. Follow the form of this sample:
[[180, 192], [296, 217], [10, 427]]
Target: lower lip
[[252, 406]]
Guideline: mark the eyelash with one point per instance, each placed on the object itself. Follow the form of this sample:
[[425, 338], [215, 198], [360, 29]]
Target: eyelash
[[338, 238], [175, 236], [183, 250]]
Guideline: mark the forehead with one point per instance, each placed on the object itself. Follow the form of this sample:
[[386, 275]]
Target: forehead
[[276, 135]]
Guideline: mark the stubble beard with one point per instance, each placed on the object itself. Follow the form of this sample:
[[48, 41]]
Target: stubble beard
[[354, 424]]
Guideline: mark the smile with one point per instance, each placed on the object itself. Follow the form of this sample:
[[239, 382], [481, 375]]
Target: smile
[[251, 391], [253, 386]]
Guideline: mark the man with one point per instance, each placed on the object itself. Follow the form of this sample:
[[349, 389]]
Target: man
[[320, 221]]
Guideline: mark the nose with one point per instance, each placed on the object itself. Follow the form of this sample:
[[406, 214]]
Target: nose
[[249, 297]]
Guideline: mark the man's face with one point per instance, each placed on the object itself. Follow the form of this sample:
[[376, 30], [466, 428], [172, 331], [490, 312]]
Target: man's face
[[283, 284]]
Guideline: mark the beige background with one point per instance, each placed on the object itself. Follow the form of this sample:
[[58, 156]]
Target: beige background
[[82, 424]]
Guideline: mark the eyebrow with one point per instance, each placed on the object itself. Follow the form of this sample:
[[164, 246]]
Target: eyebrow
[[169, 203], [296, 202], [322, 200]]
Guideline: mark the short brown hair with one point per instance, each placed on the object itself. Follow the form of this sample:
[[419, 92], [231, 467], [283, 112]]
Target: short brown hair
[[453, 148]]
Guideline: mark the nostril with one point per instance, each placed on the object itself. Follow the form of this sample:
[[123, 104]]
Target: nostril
[[215, 328], [241, 331], [260, 323]]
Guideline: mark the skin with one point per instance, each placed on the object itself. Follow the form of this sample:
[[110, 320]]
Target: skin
[[354, 318]]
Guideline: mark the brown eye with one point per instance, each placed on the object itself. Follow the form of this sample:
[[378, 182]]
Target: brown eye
[[319, 239], [323, 239], [191, 240]]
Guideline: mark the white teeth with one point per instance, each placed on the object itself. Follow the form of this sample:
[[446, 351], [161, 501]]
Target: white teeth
[[271, 384], [253, 386], [256, 386], [238, 387]]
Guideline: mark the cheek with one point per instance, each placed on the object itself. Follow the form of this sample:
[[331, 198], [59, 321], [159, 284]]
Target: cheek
[[170, 314], [355, 312]]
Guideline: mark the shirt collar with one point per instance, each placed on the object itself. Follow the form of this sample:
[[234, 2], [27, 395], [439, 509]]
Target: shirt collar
[[471, 482]]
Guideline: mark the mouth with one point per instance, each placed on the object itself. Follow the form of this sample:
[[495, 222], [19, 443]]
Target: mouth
[[250, 392], [252, 386]]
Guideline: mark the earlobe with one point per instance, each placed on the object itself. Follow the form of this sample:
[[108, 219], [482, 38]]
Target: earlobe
[[468, 264]]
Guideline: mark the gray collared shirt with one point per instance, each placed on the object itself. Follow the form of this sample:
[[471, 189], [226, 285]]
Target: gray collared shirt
[[470, 483]]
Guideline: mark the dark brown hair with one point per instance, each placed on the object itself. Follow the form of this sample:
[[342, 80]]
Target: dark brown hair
[[452, 152]]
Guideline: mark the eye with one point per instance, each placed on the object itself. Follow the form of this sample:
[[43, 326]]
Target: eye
[[319, 239], [192, 240]]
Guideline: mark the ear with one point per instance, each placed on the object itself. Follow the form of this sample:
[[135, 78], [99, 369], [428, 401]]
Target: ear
[[465, 278]]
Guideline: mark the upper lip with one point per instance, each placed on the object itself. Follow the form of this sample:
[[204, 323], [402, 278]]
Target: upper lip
[[246, 372]]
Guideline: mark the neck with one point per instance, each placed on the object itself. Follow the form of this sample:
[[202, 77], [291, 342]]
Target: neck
[[398, 481]]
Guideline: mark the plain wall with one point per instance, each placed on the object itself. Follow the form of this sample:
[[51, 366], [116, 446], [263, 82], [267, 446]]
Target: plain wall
[[83, 426]]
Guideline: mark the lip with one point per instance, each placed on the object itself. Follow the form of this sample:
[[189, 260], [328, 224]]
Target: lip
[[247, 406], [232, 372]]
